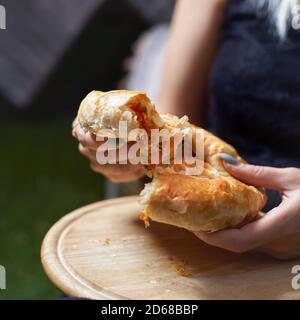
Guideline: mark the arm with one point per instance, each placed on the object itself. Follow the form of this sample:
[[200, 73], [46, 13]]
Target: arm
[[190, 53]]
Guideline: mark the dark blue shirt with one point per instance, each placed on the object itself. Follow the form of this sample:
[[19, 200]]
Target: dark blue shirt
[[255, 89]]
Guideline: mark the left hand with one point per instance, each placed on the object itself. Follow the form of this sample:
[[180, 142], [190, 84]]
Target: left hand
[[117, 173], [278, 232]]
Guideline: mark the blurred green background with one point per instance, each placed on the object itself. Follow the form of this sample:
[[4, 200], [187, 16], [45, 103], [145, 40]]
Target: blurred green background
[[43, 177], [46, 69]]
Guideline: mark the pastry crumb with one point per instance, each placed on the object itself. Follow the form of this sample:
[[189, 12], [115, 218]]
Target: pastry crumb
[[105, 242], [182, 270], [180, 267], [145, 218]]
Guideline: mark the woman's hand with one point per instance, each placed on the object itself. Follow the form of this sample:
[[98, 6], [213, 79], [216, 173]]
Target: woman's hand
[[278, 232], [114, 172]]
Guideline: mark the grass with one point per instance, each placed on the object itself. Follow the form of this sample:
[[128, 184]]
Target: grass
[[42, 177]]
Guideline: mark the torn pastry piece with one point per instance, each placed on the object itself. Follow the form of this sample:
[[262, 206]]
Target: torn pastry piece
[[101, 112], [199, 203], [210, 201], [104, 110]]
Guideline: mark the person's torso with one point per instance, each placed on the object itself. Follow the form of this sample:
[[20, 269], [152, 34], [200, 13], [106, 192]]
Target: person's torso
[[255, 88]]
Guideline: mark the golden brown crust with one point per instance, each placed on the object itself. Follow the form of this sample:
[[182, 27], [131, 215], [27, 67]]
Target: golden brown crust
[[212, 201], [104, 110], [202, 203]]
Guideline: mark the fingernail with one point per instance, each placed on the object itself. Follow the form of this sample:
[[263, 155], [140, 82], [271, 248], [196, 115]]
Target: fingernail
[[228, 158]]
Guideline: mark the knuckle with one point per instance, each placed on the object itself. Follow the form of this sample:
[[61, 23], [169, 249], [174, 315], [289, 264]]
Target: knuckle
[[86, 140], [74, 126], [87, 153], [257, 171], [80, 136], [82, 149], [90, 141], [74, 133]]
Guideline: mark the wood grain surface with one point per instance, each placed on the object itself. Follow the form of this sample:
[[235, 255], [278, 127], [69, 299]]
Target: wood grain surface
[[103, 251]]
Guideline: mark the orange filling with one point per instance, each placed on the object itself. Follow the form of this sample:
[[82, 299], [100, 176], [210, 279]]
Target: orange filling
[[142, 116], [141, 113], [144, 217]]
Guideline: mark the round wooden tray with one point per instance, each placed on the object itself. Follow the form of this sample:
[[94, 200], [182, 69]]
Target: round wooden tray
[[103, 251]]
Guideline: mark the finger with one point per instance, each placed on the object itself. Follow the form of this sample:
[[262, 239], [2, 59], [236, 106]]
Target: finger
[[124, 170], [75, 123], [118, 175], [97, 168], [74, 128], [89, 153], [74, 133], [118, 169], [286, 248], [257, 175], [268, 177], [123, 178], [231, 240], [88, 140], [252, 235], [106, 169]]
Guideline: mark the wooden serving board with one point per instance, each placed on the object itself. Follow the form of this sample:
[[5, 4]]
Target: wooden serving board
[[103, 251]]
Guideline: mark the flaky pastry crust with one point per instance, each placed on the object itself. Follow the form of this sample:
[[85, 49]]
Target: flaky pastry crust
[[211, 201]]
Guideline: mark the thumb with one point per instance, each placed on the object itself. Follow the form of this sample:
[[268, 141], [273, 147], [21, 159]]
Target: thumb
[[260, 176]]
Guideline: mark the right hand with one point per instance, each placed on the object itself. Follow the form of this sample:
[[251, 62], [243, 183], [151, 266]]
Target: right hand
[[277, 232], [117, 173]]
